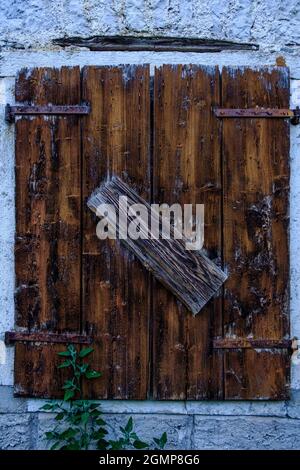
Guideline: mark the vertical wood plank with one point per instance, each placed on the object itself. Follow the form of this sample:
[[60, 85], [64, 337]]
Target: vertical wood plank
[[48, 213], [187, 170], [116, 291], [116, 139], [256, 253]]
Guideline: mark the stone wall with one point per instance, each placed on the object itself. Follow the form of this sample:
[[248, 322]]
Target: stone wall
[[273, 24], [28, 33]]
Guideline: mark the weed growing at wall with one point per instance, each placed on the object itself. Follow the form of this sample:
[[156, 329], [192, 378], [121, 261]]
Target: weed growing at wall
[[80, 424]]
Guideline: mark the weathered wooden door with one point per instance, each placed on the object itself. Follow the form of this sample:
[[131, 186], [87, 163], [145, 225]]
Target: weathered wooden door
[[169, 142]]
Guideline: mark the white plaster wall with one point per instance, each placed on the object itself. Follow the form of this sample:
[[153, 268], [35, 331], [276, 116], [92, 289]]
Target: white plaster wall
[[27, 29], [274, 24], [7, 231]]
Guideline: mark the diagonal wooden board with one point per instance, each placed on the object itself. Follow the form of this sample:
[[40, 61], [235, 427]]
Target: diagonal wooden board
[[191, 276]]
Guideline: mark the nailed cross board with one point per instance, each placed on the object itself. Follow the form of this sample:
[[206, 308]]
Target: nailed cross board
[[191, 276]]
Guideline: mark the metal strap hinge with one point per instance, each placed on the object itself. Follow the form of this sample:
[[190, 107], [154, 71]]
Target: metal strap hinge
[[293, 114], [47, 110], [245, 343], [12, 337]]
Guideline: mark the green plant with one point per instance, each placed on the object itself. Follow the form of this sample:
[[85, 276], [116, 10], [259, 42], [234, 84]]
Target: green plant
[[130, 440], [80, 424]]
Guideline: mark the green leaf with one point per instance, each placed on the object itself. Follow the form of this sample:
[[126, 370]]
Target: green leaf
[[84, 441], [103, 431], [129, 425], [68, 433], [94, 406], [102, 444], [83, 403], [161, 442], [55, 445], [117, 445], [64, 354], [60, 416], [48, 406], [75, 419], [164, 438], [72, 446], [140, 444], [98, 434], [85, 352], [68, 384], [68, 387], [64, 364], [50, 435], [68, 395], [92, 374], [100, 422], [85, 418]]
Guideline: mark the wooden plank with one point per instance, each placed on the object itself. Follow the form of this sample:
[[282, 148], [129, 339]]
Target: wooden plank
[[248, 343], [257, 112], [46, 110], [48, 216], [158, 44], [116, 140], [191, 276], [186, 169], [256, 252], [257, 374], [12, 337], [36, 373]]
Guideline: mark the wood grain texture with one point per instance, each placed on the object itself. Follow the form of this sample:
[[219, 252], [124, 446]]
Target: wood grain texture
[[162, 44], [191, 276], [256, 252], [12, 337], [48, 213], [146, 343], [187, 169], [116, 139]]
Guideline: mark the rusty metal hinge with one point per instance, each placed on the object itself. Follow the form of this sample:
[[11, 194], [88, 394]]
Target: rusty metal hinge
[[247, 343], [293, 114], [48, 110], [12, 337]]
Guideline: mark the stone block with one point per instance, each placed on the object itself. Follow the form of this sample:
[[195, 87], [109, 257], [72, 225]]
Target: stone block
[[245, 433], [16, 432]]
